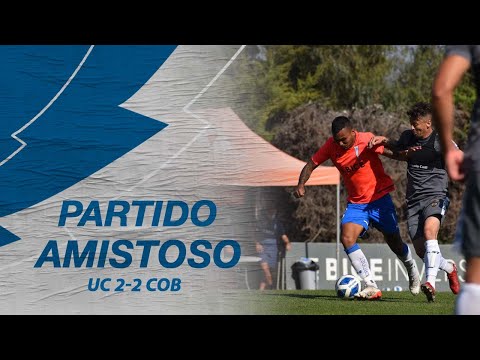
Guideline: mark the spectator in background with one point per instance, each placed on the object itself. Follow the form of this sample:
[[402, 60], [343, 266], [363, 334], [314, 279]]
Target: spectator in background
[[458, 59], [271, 243]]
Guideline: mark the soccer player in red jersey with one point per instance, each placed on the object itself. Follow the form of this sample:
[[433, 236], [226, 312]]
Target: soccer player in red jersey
[[369, 201]]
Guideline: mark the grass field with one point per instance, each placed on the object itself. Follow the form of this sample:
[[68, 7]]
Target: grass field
[[325, 302]]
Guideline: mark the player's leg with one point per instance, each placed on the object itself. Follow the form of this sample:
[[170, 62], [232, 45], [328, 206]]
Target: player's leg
[[432, 256], [468, 230], [384, 217], [395, 243], [354, 221], [415, 231], [468, 301], [432, 250], [431, 218], [448, 266]]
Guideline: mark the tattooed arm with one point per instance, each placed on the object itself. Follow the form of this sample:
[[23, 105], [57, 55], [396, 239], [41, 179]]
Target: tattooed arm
[[304, 176], [400, 155], [382, 140]]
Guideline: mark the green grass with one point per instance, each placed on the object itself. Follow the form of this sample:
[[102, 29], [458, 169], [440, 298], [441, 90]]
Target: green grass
[[325, 302]]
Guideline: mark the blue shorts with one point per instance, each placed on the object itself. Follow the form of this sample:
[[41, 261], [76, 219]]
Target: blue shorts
[[380, 213], [270, 252]]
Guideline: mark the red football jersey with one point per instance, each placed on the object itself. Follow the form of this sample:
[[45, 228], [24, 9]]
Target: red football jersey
[[361, 168]]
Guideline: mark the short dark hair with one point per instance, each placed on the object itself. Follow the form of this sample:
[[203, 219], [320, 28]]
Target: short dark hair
[[339, 123], [420, 109]]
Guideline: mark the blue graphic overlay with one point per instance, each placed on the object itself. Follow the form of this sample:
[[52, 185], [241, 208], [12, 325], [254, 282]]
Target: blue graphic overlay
[[78, 130], [6, 237]]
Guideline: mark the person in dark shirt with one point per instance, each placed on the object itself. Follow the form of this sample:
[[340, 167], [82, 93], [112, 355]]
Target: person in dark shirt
[[427, 192], [271, 243], [458, 59]]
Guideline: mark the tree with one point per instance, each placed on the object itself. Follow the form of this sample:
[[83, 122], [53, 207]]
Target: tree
[[339, 76]]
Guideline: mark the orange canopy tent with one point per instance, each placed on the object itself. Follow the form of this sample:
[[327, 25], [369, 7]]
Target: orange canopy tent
[[252, 160]]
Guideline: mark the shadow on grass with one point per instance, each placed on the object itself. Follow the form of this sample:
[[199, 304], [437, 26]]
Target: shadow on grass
[[303, 296], [333, 297]]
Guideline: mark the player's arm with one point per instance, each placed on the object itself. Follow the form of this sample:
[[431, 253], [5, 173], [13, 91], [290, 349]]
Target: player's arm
[[392, 149], [447, 79], [402, 155], [384, 146], [457, 155], [453, 145], [322, 155], [304, 176], [378, 140]]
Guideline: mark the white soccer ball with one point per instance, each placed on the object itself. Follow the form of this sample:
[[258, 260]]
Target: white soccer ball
[[347, 286]]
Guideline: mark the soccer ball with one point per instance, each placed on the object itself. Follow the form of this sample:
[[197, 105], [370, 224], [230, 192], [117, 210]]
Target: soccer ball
[[347, 286]]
